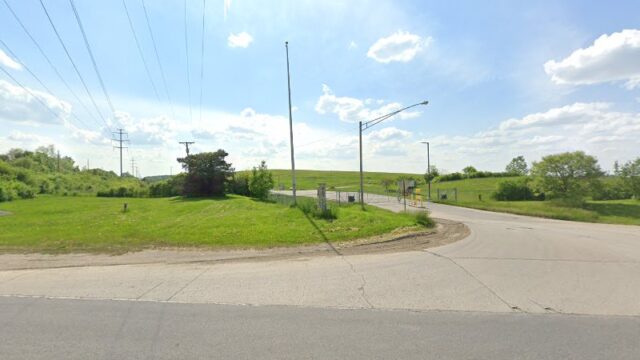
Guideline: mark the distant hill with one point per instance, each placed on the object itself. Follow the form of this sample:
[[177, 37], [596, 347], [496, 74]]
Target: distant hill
[[155, 178]]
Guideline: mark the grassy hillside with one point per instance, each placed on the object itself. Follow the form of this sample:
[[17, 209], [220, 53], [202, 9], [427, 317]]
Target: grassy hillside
[[339, 180], [66, 224], [25, 174]]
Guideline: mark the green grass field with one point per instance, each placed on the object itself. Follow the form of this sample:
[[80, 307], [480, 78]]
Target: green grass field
[[468, 191], [476, 193], [90, 224], [338, 180]]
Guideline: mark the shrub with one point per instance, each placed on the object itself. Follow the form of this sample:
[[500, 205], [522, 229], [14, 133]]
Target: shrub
[[23, 191], [6, 192], [239, 185], [261, 181], [610, 190], [309, 207], [513, 190], [423, 218]]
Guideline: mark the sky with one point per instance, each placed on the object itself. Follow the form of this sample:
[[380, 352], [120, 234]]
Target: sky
[[502, 78]]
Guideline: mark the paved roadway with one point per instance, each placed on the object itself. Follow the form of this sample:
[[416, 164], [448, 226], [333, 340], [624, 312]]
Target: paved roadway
[[549, 288]]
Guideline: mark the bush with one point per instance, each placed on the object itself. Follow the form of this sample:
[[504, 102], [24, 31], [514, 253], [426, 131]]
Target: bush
[[513, 190], [24, 191], [309, 207], [167, 188], [422, 218], [610, 190], [239, 185], [261, 181], [6, 192]]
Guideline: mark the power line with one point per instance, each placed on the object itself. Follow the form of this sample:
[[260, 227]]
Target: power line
[[55, 69], [144, 61], [93, 60], [31, 93], [186, 48], [84, 84], [38, 80], [155, 49], [204, 7]]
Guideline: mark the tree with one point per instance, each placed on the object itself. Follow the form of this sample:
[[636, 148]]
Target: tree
[[207, 173], [630, 174], [469, 171], [430, 175], [566, 175], [386, 183], [517, 166], [261, 181]]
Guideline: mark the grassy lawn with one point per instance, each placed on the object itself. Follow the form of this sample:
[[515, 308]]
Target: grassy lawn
[[340, 180], [91, 224], [612, 211]]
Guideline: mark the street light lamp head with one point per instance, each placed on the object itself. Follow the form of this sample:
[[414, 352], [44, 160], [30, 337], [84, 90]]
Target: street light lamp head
[[424, 102]]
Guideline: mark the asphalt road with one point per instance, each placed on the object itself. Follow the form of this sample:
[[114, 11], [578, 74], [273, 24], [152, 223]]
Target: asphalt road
[[107, 329], [517, 287]]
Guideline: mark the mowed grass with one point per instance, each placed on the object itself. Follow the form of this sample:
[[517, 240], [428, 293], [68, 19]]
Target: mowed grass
[[88, 224], [476, 193], [338, 180]]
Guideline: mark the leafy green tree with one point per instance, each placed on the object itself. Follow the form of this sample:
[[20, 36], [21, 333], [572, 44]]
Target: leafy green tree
[[430, 175], [207, 173], [517, 166], [566, 175], [630, 174], [261, 181], [469, 171], [386, 183]]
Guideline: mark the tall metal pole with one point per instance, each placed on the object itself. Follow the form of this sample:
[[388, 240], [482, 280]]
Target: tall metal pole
[[293, 161], [120, 133], [429, 171], [361, 174]]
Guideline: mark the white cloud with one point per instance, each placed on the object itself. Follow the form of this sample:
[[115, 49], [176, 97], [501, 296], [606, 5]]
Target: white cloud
[[29, 139], [610, 58], [241, 40], [401, 46], [148, 131], [353, 110], [353, 45], [32, 106], [592, 127], [6, 60]]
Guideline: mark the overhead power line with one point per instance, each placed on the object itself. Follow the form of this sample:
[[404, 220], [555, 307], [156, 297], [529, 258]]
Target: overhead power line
[[44, 55], [144, 61], [204, 7], [26, 89], [84, 84], [155, 49], [93, 59], [40, 81]]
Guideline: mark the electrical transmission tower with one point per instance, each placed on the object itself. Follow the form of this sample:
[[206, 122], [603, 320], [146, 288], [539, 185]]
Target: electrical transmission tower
[[120, 140], [133, 167], [186, 145]]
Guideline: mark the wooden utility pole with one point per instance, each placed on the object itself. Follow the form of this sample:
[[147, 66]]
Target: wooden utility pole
[[120, 141]]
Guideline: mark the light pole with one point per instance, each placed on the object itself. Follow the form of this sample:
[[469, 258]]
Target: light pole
[[293, 161], [428, 171], [368, 124]]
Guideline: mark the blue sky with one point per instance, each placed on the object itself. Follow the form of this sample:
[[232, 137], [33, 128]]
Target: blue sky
[[502, 78]]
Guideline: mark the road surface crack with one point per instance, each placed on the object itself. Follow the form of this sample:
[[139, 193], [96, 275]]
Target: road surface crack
[[512, 307], [187, 284]]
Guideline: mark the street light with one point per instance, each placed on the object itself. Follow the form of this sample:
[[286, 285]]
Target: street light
[[368, 124], [428, 170]]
